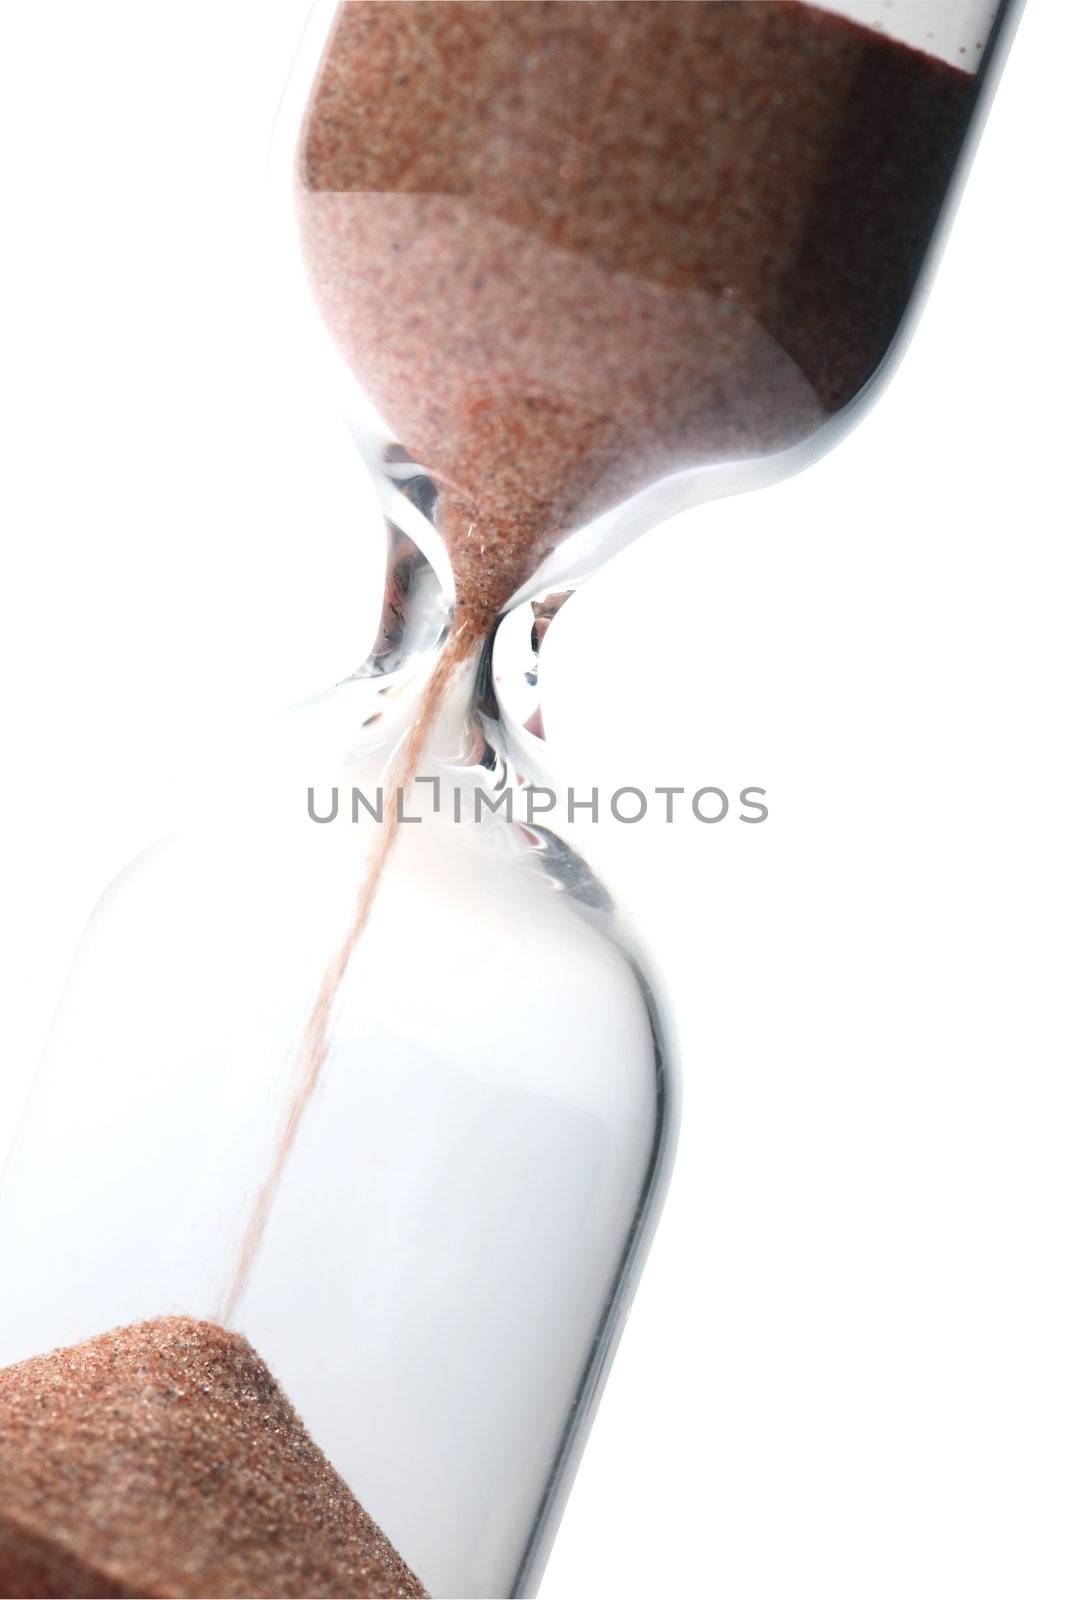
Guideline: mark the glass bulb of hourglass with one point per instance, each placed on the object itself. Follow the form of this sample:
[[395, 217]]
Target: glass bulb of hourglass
[[560, 280], [394, 1102]]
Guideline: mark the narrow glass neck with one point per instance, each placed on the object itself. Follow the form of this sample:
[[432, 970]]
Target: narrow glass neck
[[416, 611]]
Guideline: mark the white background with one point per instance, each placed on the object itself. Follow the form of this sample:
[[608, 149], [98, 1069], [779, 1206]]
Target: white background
[[844, 1375]]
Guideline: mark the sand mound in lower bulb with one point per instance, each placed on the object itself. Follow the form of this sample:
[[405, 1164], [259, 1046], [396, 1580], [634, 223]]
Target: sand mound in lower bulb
[[163, 1459]]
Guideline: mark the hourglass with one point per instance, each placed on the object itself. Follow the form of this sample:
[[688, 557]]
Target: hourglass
[[358, 1109]]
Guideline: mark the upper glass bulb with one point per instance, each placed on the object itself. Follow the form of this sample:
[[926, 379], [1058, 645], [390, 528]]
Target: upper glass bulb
[[571, 250]]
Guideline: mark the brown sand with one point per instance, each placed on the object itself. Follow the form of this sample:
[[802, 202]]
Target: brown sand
[[569, 246], [163, 1459]]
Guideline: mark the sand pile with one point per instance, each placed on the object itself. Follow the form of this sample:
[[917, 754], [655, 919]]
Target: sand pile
[[163, 1459]]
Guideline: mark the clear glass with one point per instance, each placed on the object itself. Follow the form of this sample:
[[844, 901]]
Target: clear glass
[[395, 1099]]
